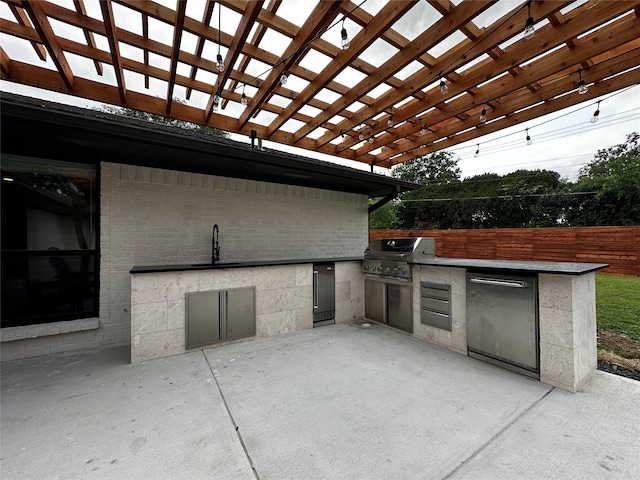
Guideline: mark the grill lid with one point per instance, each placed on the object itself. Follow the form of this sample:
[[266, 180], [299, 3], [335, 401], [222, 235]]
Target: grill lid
[[402, 249]]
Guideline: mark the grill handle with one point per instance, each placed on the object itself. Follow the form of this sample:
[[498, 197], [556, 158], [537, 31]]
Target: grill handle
[[499, 283], [315, 289]]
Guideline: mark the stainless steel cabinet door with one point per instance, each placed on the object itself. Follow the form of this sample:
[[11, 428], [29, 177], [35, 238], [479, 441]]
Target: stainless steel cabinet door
[[400, 307], [203, 319], [240, 313], [374, 305]]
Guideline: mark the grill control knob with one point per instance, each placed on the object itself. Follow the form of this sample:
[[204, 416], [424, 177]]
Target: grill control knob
[[366, 267], [404, 271], [386, 270], [379, 269], [395, 270]]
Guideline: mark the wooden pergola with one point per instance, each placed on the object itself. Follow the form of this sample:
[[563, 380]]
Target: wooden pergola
[[379, 101]]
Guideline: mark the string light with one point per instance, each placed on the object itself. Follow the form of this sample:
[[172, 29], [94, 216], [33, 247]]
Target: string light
[[284, 77], [345, 38], [371, 139], [443, 87], [529, 29], [582, 86], [483, 115], [596, 114], [422, 130], [244, 96], [390, 121], [360, 134], [217, 98], [529, 141], [477, 152]]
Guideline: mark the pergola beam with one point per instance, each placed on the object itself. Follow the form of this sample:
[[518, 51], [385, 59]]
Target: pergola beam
[[43, 27]]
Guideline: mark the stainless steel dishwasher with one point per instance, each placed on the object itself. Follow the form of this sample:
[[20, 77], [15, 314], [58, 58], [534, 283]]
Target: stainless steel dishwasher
[[502, 320]]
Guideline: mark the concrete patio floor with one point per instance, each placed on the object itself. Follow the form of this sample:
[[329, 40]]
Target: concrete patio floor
[[337, 402]]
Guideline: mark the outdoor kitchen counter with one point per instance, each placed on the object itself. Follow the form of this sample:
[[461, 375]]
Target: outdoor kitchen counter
[[560, 268], [567, 340], [221, 265], [281, 291]]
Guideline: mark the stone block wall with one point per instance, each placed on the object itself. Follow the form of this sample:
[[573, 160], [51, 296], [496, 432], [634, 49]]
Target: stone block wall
[[456, 339], [284, 302], [568, 338]]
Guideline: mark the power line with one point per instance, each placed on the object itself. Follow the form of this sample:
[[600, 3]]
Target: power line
[[497, 197]]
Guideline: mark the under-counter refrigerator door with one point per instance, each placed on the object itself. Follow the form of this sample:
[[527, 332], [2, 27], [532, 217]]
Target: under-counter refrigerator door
[[502, 318], [324, 293]]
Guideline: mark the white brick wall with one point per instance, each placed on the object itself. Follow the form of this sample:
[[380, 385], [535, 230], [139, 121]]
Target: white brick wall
[[151, 216]]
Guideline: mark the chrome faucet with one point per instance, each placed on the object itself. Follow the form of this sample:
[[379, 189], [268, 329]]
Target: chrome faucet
[[215, 256]]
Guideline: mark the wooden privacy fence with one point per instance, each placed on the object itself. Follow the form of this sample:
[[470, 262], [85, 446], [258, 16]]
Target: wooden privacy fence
[[617, 246]]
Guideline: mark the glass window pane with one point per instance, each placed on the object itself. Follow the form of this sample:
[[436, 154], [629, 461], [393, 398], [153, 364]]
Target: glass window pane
[[49, 237]]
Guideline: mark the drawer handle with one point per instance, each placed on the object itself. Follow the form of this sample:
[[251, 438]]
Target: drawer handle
[[499, 283], [433, 312]]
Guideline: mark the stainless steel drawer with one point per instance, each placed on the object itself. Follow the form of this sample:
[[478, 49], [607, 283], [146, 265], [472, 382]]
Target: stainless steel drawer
[[435, 305]]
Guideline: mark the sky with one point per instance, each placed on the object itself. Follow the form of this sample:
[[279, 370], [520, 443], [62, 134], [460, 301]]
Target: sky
[[563, 141]]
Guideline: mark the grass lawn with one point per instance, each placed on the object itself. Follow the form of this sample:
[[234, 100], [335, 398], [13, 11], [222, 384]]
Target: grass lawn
[[618, 321], [618, 304]]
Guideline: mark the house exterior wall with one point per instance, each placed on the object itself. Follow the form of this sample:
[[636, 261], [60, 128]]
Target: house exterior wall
[[151, 216]]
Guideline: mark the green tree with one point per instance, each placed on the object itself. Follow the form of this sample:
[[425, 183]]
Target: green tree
[[162, 120], [608, 189], [439, 167], [384, 218], [437, 173]]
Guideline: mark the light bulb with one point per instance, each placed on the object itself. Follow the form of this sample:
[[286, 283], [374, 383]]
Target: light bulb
[[390, 121], [477, 152], [529, 141], [220, 64], [215, 105], [582, 87], [596, 114], [361, 136], [422, 131], [216, 98], [443, 87], [345, 39], [529, 30], [483, 115], [284, 77], [244, 99], [370, 139]]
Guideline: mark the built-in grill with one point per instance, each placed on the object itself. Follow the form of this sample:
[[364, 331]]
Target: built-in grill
[[387, 288], [390, 257]]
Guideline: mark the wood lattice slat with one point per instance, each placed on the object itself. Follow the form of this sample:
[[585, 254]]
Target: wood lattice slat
[[488, 65]]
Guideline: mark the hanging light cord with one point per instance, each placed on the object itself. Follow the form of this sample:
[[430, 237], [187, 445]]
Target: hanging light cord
[[303, 47], [558, 117]]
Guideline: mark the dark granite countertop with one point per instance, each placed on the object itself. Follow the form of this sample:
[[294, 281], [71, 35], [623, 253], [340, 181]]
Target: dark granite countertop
[[221, 265], [563, 268]]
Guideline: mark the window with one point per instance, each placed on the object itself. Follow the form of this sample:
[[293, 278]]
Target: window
[[49, 237]]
